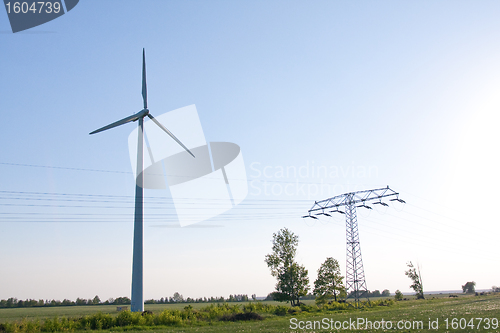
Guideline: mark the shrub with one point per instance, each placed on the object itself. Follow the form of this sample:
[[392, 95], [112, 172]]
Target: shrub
[[124, 318], [308, 308], [51, 325], [280, 310], [217, 311], [9, 327], [241, 316], [98, 321], [258, 307], [336, 306], [169, 318], [382, 302]]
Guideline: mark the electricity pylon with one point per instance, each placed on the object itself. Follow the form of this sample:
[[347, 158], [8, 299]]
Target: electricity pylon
[[355, 274]]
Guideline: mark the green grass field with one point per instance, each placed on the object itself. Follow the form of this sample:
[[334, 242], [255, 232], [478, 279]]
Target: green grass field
[[411, 312], [17, 314]]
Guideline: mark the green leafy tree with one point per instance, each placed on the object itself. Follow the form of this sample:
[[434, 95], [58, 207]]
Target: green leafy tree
[[293, 281], [178, 298], [122, 301], [469, 287], [386, 293], [96, 300], [329, 283], [67, 302], [416, 278], [398, 296], [81, 301]]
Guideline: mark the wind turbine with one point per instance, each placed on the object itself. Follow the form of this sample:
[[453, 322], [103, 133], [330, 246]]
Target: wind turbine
[[137, 265]]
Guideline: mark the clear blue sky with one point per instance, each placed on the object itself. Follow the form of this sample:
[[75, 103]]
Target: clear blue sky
[[381, 93]]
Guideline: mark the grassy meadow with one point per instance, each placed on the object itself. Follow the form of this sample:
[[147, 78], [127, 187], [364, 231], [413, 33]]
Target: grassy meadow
[[411, 312], [33, 313]]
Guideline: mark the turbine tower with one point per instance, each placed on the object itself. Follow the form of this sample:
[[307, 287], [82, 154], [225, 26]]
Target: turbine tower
[[137, 262], [355, 273]]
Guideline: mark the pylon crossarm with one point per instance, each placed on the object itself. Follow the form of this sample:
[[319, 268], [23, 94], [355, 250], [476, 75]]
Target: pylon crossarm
[[353, 198]]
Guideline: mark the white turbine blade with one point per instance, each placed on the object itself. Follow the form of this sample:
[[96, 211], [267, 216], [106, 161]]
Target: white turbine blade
[[169, 133], [144, 86], [118, 123]]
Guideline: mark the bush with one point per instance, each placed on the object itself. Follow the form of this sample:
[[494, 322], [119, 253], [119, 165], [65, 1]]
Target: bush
[[308, 308], [336, 306], [280, 310], [241, 316], [9, 327], [215, 312], [127, 318], [51, 325], [382, 302], [168, 318], [98, 321]]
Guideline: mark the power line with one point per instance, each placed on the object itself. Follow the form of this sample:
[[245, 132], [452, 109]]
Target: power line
[[296, 181], [64, 168]]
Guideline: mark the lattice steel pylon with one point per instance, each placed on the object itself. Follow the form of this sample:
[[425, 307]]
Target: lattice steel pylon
[[355, 274]]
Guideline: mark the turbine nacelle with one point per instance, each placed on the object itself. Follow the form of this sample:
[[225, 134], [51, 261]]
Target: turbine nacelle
[[141, 114]]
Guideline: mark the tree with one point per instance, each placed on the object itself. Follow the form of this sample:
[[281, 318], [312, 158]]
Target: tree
[[495, 289], [398, 296], [469, 287], [122, 301], [81, 301], [178, 298], [292, 277], [96, 300], [270, 296], [329, 283], [386, 293], [416, 277]]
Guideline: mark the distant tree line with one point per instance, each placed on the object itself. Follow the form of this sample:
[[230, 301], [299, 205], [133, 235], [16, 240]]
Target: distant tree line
[[15, 303], [375, 293], [176, 298]]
